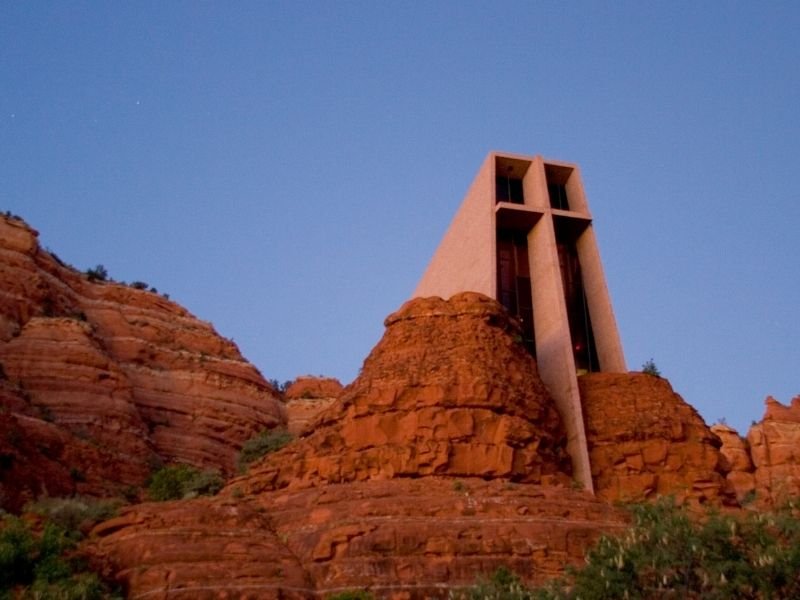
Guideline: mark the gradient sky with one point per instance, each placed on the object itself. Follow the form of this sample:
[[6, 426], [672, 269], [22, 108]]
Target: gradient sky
[[285, 170]]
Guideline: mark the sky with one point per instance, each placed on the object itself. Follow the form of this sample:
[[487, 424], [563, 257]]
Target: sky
[[285, 170]]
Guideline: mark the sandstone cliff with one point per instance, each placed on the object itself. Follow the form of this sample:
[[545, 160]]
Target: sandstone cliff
[[736, 461], [645, 441], [764, 467], [444, 459], [775, 452], [447, 391], [306, 398], [121, 370]]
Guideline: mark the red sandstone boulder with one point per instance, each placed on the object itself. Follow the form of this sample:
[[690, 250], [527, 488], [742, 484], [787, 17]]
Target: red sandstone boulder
[[775, 451], [447, 391], [645, 441], [121, 369], [737, 462], [306, 398], [309, 387]]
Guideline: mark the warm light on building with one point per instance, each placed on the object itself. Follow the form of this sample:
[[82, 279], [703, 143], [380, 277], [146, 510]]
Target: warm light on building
[[523, 236]]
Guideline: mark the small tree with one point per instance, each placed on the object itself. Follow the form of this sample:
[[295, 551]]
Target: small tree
[[265, 442], [182, 481], [650, 368], [99, 273]]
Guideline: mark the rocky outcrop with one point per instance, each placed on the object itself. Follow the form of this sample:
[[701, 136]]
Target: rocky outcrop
[[306, 398], [39, 457], [736, 462], [123, 369], [445, 459], [764, 467], [308, 387], [400, 538], [447, 391], [645, 441], [30, 449], [775, 452]]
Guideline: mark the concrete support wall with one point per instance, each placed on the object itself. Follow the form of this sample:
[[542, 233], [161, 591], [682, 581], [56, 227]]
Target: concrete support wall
[[604, 324], [554, 356], [465, 259]]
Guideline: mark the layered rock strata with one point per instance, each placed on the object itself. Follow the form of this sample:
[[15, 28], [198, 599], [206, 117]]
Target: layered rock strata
[[306, 398], [124, 369], [399, 538], [445, 459]]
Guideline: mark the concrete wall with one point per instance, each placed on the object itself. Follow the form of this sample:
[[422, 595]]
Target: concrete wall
[[465, 259], [604, 324], [554, 356]]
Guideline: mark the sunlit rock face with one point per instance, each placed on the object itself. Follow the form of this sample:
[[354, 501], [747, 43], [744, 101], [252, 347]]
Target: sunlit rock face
[[122, 370], [645, 441], [443, 460], [775, 452], [447, 391], [306, 397], [737, 461]]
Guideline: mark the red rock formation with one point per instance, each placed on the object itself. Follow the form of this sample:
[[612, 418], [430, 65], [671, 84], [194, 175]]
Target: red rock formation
[[645, 441], [401, 538], [737, 462], [447, 391], [775, 451], [123, 368], [306, 398], [431, 469], [310, 387], [29, 452]]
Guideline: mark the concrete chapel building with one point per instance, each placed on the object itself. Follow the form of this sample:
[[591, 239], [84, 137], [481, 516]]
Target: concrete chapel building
[[523, 236]]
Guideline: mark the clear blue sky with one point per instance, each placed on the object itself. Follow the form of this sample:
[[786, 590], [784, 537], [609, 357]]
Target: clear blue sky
[[285, 170]]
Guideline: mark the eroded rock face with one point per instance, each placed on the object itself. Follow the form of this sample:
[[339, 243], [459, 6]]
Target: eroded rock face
[[445, 459], [309, 387], [306, 398], [400, 538], [775, 451], [447, 391], [124, 369], [737, 462], [645, 441]]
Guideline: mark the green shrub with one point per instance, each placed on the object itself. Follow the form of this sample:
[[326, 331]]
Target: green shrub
[[722, 556], [668, 554], [265, 442], [501, 585], [18, 551], [139, 285], [74, 514], [44, 566], [182, 481], [352, 595], [81, 586], [99, 273], [650, 368]]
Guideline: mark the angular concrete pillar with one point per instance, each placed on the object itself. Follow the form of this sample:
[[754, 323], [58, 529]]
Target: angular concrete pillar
[[541, 204]]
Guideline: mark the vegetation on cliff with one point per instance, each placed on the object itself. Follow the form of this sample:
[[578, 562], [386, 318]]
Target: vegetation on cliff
[[39, 555], [668, 553]]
